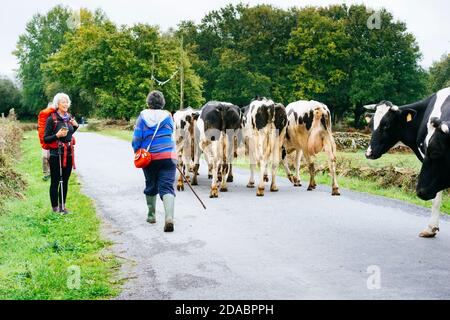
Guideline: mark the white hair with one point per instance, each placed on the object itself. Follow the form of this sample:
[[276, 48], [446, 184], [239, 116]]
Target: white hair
[[59, 97]]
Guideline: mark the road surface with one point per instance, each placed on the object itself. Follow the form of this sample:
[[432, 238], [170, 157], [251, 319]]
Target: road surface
[[292, 244]]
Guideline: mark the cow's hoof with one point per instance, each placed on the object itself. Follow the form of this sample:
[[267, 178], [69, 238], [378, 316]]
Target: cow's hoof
[[310, 188], [260, 192], [429, 232], [223, 189], [291, 178], [274, 189], [266, 178], [251, 185], [335, 192], [298, 184], [194, 182], [214, 193], [180, 187], [210, 176], [230, 179]]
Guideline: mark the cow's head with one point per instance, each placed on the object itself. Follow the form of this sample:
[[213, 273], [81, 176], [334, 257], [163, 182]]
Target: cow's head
[[386, 125], [435, 173]]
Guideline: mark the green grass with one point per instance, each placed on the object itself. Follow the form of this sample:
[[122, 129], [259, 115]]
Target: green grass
[[38, 247], [401, 160]]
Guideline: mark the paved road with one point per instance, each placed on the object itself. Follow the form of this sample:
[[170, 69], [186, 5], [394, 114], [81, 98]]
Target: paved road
[[292, 244]]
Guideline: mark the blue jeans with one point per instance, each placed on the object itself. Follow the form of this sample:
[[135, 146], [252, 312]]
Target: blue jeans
[[160, 178]]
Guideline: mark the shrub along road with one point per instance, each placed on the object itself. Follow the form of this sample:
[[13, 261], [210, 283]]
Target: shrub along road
[[292, 244]]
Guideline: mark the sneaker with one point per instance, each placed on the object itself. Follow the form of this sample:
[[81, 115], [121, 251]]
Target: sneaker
[[56, 209]]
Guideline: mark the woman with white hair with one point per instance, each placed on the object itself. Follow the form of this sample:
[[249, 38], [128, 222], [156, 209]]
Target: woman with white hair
[[59, 128]]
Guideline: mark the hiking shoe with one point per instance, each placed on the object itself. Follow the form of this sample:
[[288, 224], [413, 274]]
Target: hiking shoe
[[65, 211]]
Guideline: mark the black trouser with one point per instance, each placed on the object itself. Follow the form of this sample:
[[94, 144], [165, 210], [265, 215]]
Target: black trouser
[[55, 194]]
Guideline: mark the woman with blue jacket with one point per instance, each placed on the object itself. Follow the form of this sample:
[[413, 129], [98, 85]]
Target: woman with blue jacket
[[157, 124]]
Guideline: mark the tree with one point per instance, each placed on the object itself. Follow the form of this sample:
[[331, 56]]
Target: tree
[[112, 68], [439, 74], [43, 37], [322, 50], [10, 96]]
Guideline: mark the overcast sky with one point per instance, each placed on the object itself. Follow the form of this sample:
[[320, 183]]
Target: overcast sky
[[427, 20]]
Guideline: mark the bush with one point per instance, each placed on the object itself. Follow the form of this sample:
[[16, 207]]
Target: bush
[[11, 182]]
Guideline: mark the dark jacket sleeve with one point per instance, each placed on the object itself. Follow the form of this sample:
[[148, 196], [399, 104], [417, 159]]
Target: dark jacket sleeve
[[49, 135]]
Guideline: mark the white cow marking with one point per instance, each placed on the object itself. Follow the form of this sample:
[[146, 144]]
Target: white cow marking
[[379, 114], [441, 96]]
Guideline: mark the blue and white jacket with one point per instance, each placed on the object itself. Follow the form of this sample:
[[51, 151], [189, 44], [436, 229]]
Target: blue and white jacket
[[163, 146]]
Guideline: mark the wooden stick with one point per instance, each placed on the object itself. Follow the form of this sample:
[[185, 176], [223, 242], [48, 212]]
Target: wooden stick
[[184, 177]]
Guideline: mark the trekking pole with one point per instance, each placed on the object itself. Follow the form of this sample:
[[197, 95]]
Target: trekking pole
[[184, 177], [61, 180]]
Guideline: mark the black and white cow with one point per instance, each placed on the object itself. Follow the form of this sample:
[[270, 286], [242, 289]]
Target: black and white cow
[[218, 125], [424, 127], [264, 132], [308, 133], [185, 122]]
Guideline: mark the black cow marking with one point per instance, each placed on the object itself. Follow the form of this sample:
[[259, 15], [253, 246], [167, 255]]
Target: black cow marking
[[323, 120]]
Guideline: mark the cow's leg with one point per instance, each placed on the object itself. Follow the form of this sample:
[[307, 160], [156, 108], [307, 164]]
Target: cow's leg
[[312, 172], [277, 142], [252, 159], [263, 170], [213, 156], [298, 158], [180, 182], [251, 181], [226, 149], [285, 161], [230, 175], [197, 154], [433, 225], [332, 166]]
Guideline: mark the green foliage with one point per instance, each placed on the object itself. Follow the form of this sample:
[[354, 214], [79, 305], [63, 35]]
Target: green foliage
[[10, 96], [439, 76], [112, 68], [43, 37]]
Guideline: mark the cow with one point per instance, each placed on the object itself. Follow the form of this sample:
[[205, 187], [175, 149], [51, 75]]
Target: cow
[[308, 133], [264, 131], [218, 124], [424, 127], [185, 122]]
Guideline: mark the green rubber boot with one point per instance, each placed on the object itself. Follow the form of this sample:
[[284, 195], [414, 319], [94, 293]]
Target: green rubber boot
[[151, 203], [169, 203]]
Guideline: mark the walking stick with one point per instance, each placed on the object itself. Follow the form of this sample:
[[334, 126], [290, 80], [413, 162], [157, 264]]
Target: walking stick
[[61, 180], [184, 177]]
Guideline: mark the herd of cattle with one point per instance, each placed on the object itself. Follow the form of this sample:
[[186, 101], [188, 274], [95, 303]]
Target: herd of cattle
[[268, 132]]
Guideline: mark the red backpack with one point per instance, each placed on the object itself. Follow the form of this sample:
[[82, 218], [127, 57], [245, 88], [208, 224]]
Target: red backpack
[[42, 120]]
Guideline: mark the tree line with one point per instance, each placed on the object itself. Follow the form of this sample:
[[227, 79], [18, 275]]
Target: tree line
[[330, 54]]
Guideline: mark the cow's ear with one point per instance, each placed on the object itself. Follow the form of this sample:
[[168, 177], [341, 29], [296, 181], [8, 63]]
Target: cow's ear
[[445, 127], [368, 117], [408, 115]]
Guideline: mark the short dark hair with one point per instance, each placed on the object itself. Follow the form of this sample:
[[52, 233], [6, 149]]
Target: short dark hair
[[155, 100]]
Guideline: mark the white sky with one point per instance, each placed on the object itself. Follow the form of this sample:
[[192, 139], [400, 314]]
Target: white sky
[[427, 20]]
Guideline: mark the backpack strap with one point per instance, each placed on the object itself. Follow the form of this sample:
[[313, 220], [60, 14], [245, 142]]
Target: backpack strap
[[55, 120]]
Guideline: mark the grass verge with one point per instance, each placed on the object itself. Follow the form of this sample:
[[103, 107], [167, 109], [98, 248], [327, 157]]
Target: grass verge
[[42, 253]]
